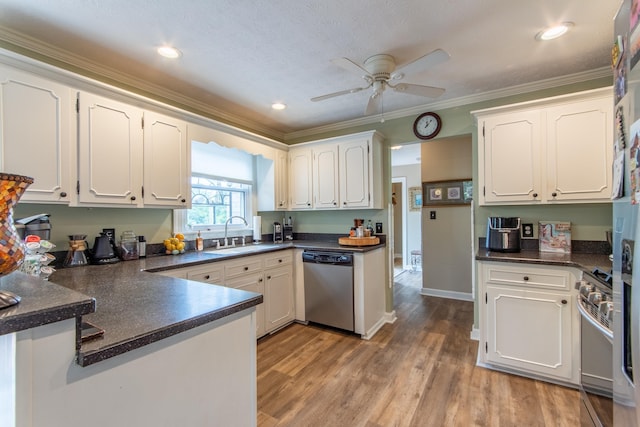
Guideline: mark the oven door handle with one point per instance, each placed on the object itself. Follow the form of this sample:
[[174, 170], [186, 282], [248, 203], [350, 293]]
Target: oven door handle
[[607, 334]]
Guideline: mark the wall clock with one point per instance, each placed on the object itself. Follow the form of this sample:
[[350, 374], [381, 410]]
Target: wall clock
[[427, 125]]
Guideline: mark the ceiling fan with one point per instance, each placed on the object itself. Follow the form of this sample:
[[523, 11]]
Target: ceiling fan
[[380, 70]]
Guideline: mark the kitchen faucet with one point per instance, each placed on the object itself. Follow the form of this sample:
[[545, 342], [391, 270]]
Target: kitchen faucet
[[226, 224]]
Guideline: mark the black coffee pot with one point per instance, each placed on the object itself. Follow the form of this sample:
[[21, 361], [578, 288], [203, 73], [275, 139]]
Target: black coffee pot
[[103, 251]]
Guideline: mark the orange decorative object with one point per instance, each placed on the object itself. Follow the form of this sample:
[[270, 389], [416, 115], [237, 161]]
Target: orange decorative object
[[11, 245]]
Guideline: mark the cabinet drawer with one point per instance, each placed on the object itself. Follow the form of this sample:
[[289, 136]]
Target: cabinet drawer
[[278, 259], [528, 276], [208, 275], [250, 265]]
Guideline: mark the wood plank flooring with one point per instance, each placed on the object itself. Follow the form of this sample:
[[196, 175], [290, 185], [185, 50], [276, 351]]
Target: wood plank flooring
[[419, 371]]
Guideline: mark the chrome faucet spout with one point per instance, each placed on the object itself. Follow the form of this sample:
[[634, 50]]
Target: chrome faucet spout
[[226, 225]]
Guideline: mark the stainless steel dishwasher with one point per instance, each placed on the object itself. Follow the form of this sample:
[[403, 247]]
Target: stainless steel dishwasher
[[328, 288]]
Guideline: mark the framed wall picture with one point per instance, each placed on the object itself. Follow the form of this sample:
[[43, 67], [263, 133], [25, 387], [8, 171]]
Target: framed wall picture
[[455, 192], [415, 198]]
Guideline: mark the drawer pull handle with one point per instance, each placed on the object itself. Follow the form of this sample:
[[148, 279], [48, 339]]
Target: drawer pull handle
[[246, 268], [279, 260], [207, 277], [525, 278]]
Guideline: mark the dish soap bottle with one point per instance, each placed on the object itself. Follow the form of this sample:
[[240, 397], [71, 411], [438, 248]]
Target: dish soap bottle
[[199, 242]]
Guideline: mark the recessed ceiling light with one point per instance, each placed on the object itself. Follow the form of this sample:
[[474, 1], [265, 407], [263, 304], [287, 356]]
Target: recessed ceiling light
[[169, 52], [278, 106], [396, 147], [554, 32]]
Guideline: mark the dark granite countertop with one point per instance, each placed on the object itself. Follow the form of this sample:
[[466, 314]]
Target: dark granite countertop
[[42, 303], [136, 307], [583, 261]]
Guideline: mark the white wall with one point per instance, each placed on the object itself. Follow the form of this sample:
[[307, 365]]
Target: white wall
[[412, 174]]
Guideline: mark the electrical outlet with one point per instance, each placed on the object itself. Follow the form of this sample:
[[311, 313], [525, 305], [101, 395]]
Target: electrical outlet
[[432, 214], [527, 231]]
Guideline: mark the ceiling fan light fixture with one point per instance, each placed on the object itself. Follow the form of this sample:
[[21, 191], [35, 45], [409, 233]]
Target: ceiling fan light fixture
[[169, 52], [278, 106], [554, 32]]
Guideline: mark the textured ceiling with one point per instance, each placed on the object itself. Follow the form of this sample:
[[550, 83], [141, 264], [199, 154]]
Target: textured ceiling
[[240, 56]]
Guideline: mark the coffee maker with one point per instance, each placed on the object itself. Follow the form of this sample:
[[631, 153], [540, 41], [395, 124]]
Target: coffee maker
[[77, 251], [278, 236], [103, 251]]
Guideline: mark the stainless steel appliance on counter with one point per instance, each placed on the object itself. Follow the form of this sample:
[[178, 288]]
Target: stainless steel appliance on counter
[[503, 234], [328, 289]]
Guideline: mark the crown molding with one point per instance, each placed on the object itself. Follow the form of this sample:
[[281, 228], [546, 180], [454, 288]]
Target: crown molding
[[457, 102], [51, 52]]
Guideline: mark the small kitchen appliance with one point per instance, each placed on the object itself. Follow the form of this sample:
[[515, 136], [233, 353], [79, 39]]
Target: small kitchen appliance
[[503, 234], [37, 225], [103, 251], [287, 229], [77, 251], [278, 236]]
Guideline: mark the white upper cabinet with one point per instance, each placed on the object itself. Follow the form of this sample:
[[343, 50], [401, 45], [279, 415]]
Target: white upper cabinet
[[166, 173], [337, 173], [36, 137], [325, 176], [301, 178], [555, 150], [110, 151], [355, 173]]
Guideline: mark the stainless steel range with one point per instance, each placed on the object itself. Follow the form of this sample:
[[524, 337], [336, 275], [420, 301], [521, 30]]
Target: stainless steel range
[[595, 304]]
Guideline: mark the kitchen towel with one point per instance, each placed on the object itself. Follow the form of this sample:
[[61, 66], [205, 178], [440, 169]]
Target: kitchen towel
[[257, 229]]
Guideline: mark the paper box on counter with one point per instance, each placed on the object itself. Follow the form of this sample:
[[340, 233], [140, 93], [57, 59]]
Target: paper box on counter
[[555, 236]]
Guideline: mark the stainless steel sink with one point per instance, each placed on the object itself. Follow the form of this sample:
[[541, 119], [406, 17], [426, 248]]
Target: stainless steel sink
[[243, 249]]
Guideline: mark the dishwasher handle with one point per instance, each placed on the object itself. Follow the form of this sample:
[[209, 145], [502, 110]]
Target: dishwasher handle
[[331, 258]]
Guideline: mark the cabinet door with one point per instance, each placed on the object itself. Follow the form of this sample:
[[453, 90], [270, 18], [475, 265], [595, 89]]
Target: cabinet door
[[110, 151], [252, 283], [579, 151], [35, 135], [300, 178], [282, 180], [325, 176], [278, 291], [529, 330], [166, 167], [509, 157], [354, 174]]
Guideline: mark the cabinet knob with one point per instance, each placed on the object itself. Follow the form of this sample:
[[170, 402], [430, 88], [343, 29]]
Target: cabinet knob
[[564, 301], [207, 277], [268, 277], [246, 268], [133, 197], [308, 204], [525, 278], [554, 194], [344, 203], [279, 260], [334, 203], [535, 195], [63, 194], [183, 200]]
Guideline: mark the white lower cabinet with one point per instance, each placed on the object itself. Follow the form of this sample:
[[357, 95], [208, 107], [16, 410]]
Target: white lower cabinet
[[268, 274], [528, 320]]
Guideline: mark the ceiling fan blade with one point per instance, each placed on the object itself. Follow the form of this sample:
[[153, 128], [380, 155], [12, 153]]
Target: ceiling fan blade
[[349, 65], [342, 92], [435, 57], [420, 90], [374, 104]]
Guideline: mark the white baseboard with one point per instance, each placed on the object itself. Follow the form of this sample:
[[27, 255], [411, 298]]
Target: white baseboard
[[475, 334], [462, 296], [386, 318]]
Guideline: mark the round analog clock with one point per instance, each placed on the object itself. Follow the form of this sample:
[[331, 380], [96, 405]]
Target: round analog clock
[[427, 125]]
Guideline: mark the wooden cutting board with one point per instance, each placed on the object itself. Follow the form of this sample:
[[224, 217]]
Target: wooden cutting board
[[359, 241]]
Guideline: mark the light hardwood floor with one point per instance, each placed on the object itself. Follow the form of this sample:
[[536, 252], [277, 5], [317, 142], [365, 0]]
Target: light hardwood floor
[[419, 371]]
